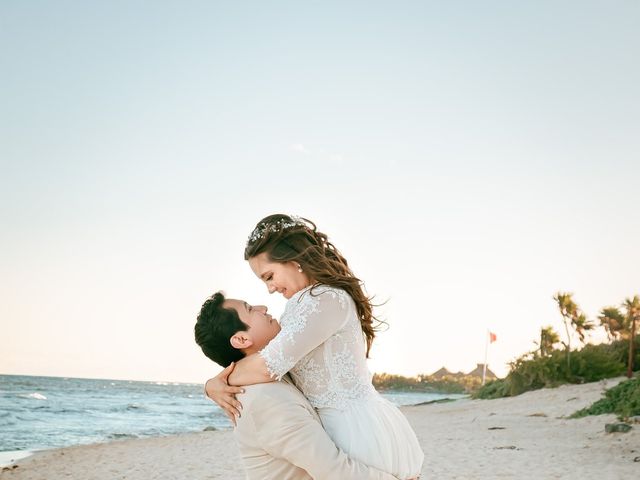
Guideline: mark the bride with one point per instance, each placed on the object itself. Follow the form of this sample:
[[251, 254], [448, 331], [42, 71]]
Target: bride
[[327, 332]]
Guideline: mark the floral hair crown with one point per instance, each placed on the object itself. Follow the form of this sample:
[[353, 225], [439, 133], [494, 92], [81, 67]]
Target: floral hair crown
[[275, 226]]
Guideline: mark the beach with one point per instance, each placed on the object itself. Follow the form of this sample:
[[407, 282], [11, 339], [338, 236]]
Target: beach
[[523, 437]]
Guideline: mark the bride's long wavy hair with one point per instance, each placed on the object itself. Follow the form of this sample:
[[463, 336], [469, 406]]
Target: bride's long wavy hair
[[284, 239]]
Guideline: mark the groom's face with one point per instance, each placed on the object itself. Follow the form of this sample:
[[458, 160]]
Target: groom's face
[[262, 326]]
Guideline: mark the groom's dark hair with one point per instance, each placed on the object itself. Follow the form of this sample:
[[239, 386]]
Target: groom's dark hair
[[214, 328]]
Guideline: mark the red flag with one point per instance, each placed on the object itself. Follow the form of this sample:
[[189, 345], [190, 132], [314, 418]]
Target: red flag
[[492, 337]]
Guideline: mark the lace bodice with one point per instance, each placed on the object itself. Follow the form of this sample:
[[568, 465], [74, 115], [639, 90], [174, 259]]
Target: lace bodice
[[322, 346]]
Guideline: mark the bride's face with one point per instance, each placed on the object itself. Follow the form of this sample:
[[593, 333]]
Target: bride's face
[[284, 278]]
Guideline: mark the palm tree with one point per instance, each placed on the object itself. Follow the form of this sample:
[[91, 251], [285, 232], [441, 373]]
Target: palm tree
[[548, 337], [568, 309], [581, 325], [613, 322], [572, 317], [632, 307]]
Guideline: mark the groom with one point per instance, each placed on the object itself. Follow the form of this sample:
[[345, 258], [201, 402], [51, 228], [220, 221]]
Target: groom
[[279, 433]]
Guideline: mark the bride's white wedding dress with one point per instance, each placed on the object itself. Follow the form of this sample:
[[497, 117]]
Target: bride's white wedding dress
[[322, 346]]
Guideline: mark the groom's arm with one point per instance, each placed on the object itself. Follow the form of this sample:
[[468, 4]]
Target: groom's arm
[[288, 430]]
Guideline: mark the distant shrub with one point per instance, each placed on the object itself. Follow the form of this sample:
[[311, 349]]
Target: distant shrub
[[421, 383], [620, 349], [623, 400], [493, 389], [445, 386], [595, 362], [387, 381], [532, 371]]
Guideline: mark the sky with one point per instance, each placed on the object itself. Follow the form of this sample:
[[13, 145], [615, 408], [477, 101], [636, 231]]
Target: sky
[[469, 159]]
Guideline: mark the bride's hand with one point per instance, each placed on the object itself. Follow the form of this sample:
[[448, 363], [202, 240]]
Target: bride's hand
[[219, 390]]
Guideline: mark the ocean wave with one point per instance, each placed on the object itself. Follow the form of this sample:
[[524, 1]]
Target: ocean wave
[[74, 411], [131, 407], [29, 418], [7, 420], [35, 395], [121, 436]]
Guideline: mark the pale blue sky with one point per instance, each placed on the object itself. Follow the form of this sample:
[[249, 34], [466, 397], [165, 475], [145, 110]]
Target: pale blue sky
[[470, 159]]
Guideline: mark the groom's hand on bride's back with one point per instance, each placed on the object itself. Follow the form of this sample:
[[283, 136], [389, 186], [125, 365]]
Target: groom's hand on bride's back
[[219, 390]]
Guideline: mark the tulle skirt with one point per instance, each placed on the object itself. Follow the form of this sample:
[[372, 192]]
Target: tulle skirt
[[376, 433]]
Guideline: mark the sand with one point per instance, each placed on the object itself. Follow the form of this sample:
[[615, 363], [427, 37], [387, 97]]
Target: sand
[[523, 437]]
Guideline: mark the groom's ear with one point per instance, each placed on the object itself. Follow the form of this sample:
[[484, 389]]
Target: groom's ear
[[241, 340]]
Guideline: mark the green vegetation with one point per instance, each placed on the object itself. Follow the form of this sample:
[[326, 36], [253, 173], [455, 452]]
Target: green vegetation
[[631, 320], [422, 383], [573, 318], [547, 366], [533, 371], [623, 400]]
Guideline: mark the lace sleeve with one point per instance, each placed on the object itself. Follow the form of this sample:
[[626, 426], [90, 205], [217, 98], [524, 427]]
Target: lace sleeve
[[309, 323]]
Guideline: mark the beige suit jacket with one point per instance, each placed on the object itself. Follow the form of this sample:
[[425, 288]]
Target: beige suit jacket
[[280, 437]]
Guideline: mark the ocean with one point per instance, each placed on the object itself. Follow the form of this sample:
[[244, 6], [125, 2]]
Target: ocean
[[39, 413]]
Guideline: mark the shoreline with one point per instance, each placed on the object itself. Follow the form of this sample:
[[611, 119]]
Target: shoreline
[[92, 434], [527, 436], [10, 457]]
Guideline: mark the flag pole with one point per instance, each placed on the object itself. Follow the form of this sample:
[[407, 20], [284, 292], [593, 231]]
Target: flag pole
[[486, 349]]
